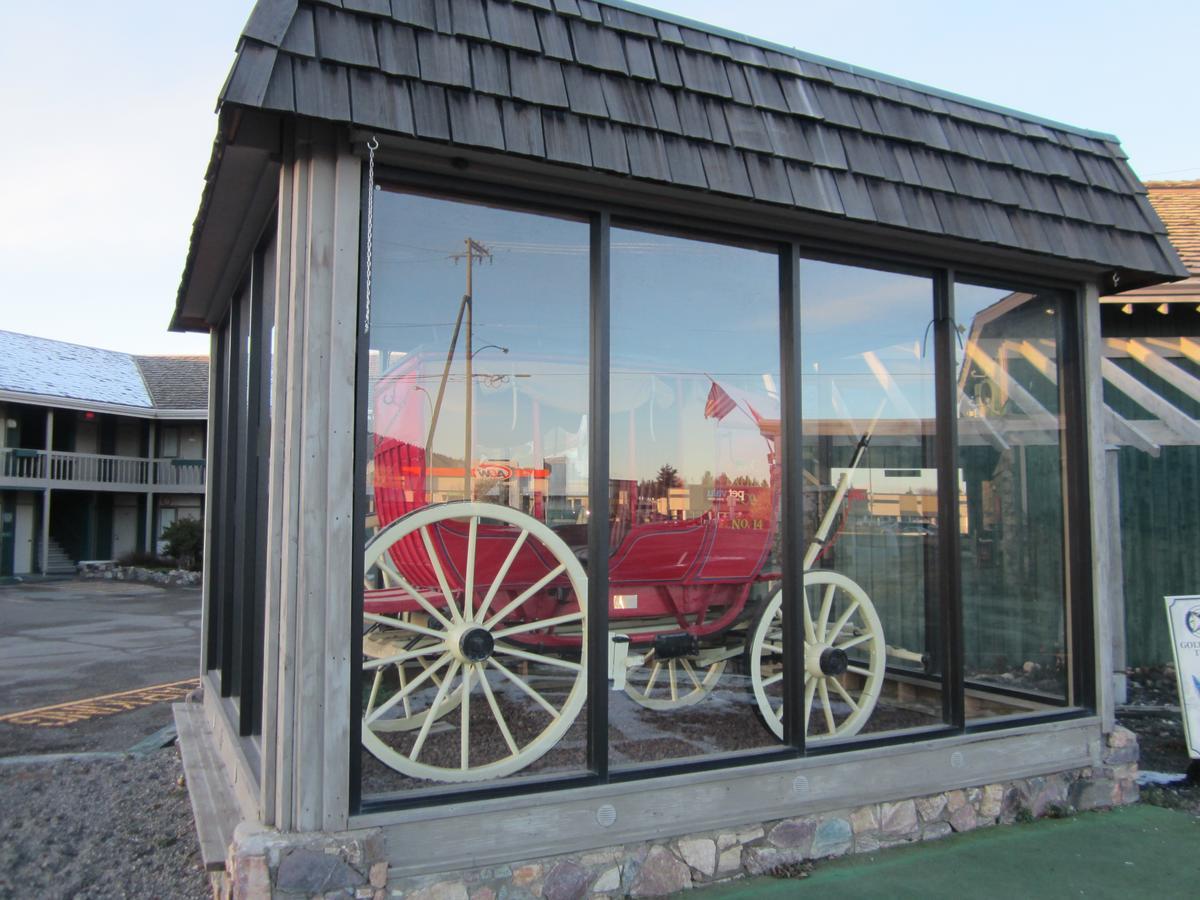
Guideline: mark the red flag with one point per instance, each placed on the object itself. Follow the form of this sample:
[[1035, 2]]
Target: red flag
[[719, 404]]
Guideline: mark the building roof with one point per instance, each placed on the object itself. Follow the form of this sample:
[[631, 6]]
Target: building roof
[[637, 93], [42, 369], [1178, 205]]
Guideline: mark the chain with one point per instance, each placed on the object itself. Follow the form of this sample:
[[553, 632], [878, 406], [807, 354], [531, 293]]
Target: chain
[[372, 146]]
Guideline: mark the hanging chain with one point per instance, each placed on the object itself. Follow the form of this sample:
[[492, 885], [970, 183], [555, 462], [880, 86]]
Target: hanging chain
[[372, 146]]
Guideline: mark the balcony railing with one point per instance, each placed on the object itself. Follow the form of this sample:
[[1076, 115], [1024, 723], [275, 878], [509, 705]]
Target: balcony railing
[[37, 468]]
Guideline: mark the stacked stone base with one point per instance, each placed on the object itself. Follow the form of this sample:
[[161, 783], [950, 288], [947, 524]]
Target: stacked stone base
[[266, 864], [109, 571]]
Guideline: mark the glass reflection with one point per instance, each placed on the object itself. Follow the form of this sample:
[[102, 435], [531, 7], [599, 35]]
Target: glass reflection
[[474, 612], [1010, 456], [693, 517], [871, 596]]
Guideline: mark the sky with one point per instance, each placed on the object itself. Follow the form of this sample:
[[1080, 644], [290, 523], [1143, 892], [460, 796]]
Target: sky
[[108, 114]]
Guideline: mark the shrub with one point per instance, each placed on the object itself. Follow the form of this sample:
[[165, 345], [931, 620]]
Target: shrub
[[185, 542], [143, 560]]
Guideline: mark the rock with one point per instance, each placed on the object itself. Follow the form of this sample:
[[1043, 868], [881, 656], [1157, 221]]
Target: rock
[[609, 880], [566, 881], [442, 890], [726, 839], [833, 838], [991, 801], [252, 877], [700, 854], [1052, 794], [955, 800], [523, 876], [304, 871], [378, 874], [1121, 737], [931, 808], [1095, 794], [866, 843], [936, 830], [898, 818], [746, 835], [865, 818], [793, 833], [660, 874], [963, 818], [1122, 755], [483, 893], [764, 860], [730, 860]]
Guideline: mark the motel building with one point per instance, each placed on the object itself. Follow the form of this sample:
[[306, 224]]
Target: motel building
[[641, 455], [99, 451]]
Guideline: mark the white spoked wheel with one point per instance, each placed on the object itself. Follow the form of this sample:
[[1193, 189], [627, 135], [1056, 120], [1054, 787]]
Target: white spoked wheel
[[671, 683], [475, 704], [844, 658]]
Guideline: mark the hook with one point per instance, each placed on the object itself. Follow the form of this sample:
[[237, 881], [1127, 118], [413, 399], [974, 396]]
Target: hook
[[373, 144]]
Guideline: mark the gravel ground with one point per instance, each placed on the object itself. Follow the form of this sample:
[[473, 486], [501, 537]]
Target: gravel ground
[[99, 828], [1152, 714]]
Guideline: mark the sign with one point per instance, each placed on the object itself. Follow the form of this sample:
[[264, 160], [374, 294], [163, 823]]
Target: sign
[[1183, 617], [498, 471]]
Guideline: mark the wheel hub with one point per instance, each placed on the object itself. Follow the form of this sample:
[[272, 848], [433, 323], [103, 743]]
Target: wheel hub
[[476, 644], [834, 661]]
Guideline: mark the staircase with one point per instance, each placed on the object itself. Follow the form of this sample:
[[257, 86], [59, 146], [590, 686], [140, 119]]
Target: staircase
[[57, 561]]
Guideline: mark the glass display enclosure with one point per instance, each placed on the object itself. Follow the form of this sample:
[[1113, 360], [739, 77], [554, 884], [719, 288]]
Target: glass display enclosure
[[576, 484]]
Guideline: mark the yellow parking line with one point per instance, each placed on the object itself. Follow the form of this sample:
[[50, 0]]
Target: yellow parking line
[[105, 705]]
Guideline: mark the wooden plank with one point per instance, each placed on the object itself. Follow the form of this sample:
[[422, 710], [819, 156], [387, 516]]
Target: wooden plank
[[1170, 415], [214, 810], [497, 831], [1169, 372]]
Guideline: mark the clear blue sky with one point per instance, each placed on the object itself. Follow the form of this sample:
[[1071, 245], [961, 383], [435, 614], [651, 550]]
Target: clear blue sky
[[108, 111]]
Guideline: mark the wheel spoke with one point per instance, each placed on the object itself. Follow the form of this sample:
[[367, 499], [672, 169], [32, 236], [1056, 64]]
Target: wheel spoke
[[842, 622], [845, 695], [534, 626], [826, 608], [436, 562], [810, 688], [406, 656], [404, 626], [520, 683], [499, 579], [421, 601], [773, 648], [374, 689], [431, 715], [671, 675], [537, 657], [859, 670], [409, 688], [654, 670], [854, 641], [403, 684], [824, 692], [691, 673], [525, 595], [809, 633], [496, 714], [464, 744], [469, 584], [774, 679]]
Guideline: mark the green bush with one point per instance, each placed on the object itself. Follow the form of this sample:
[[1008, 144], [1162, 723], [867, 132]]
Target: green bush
[[185, 542]]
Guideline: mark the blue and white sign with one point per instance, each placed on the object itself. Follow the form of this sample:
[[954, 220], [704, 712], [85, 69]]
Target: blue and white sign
[[1183, 616]]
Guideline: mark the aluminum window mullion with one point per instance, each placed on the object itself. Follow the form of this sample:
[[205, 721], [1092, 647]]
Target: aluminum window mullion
[[598, 492], [950, 630], [792, 493]]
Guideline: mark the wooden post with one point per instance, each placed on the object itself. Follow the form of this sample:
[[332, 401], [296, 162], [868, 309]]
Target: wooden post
[[1116, 574], [1101, 524], [151, 480], [307, 707], [45, 555]]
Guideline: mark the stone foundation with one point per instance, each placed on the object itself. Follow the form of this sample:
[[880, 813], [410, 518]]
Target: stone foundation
[[108, 571], [267, 864]]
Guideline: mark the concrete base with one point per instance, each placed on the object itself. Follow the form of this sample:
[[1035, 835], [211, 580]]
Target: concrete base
[[262, 863]]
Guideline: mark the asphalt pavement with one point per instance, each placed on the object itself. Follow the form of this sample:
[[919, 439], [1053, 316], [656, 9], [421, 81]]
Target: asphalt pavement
[[73, 640]]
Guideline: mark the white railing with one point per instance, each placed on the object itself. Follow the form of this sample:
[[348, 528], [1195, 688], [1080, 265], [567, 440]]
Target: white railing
[[34, 467]]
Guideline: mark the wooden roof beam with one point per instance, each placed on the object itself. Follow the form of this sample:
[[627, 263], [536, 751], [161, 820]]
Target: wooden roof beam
[[1170, 415]]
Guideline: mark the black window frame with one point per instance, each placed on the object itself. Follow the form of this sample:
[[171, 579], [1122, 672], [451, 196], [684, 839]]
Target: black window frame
[[794, 247]]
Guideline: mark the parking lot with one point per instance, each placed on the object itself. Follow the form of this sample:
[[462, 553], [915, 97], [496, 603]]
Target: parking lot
[[68, 641]]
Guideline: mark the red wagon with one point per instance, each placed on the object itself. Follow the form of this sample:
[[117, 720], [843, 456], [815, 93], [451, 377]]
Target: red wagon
[[481, 602]]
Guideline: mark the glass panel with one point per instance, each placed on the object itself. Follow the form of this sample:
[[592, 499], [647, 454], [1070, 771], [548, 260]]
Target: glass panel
[[693, 516], [477, 483], [1010, 456], [871, 503]]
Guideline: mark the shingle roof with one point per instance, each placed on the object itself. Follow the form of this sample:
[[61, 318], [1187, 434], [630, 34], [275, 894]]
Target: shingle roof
[[1178, 205], [621, 89], [175, 382], [56, 369]]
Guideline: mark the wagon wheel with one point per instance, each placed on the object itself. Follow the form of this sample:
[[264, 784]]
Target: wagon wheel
[[470, 657], [381, 641], [844, 636], [671, 683]]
